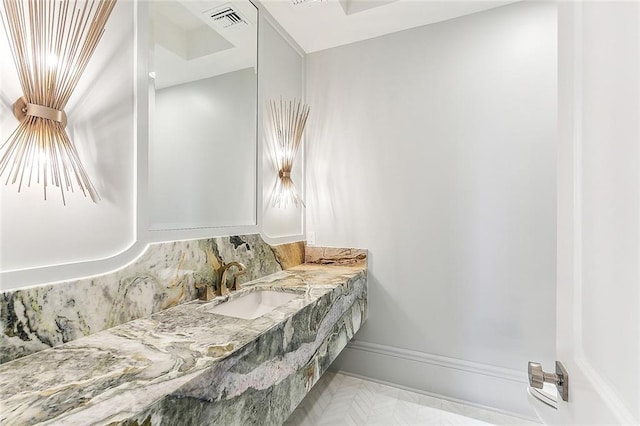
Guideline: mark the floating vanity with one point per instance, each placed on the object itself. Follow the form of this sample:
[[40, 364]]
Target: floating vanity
[[246, 358]]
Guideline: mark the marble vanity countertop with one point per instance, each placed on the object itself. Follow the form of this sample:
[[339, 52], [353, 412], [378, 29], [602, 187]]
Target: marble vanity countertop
[[113, 375]]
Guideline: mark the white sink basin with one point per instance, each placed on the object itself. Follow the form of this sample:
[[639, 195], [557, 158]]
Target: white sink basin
[[253, 305]]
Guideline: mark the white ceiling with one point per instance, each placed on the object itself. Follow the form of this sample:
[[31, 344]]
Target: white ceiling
[[322, 24]]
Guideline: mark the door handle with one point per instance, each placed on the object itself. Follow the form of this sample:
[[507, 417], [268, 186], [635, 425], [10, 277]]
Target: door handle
[[538, 377]]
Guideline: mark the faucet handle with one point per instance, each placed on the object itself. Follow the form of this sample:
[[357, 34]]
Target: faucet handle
[[241, 271], [205, 291]]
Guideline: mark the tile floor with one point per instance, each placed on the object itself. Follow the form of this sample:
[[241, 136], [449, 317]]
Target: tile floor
[[338, 399]]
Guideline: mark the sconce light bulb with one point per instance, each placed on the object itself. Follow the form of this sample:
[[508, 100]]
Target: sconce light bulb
[[52, 61]]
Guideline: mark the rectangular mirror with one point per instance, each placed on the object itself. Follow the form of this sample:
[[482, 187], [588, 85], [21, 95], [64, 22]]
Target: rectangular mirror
[[203, 109]]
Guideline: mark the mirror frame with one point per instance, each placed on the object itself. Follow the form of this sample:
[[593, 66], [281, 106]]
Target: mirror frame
[[145, 232]]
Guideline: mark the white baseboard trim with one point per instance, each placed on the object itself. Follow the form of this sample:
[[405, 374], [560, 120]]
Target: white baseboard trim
[[476, 384], [442, 361]]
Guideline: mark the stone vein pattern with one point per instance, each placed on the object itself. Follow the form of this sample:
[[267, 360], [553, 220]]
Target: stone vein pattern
[[165, 275], [335, 256], [188, 366]]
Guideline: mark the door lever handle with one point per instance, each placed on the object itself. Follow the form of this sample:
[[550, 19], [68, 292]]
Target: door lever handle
[[538, 377]]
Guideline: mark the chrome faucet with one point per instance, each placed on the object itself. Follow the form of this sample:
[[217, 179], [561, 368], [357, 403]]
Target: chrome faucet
[[223, 290]]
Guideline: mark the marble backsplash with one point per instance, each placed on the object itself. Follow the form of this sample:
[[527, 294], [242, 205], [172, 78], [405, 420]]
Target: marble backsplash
[[335, 256], [165, 275]]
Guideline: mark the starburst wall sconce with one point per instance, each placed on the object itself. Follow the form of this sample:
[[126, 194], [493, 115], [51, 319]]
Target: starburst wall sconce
[[51, 42], [286, 124]]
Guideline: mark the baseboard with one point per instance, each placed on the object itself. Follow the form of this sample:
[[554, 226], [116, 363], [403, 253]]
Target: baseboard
[[484, 386]]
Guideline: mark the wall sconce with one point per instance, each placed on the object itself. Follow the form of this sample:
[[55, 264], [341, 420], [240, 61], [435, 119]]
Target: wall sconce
[[51, 43], [287, 121]]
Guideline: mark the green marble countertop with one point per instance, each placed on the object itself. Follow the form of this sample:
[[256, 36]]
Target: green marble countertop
[[114, 374]]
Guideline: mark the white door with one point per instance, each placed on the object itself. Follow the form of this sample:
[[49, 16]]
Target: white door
[[598, 298]]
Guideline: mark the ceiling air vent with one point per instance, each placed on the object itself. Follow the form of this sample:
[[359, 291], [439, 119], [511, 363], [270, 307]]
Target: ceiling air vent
[[226, 17]]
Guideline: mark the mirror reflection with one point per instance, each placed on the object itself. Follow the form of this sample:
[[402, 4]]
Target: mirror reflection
[[203, 103]]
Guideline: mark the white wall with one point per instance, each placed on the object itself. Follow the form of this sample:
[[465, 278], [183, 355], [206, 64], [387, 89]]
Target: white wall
[[434, 148], [35, 232]]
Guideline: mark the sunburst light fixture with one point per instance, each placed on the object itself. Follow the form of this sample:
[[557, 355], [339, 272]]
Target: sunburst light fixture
[[286, 125], [51, 42]]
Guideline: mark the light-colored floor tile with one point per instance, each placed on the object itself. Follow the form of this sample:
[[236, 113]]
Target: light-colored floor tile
[[338, 400], [333, 382], [504, 420], [450, 419], [464, 410], [486, 416], [379, 389], [361, 407], [416, 398], [413, 414]]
